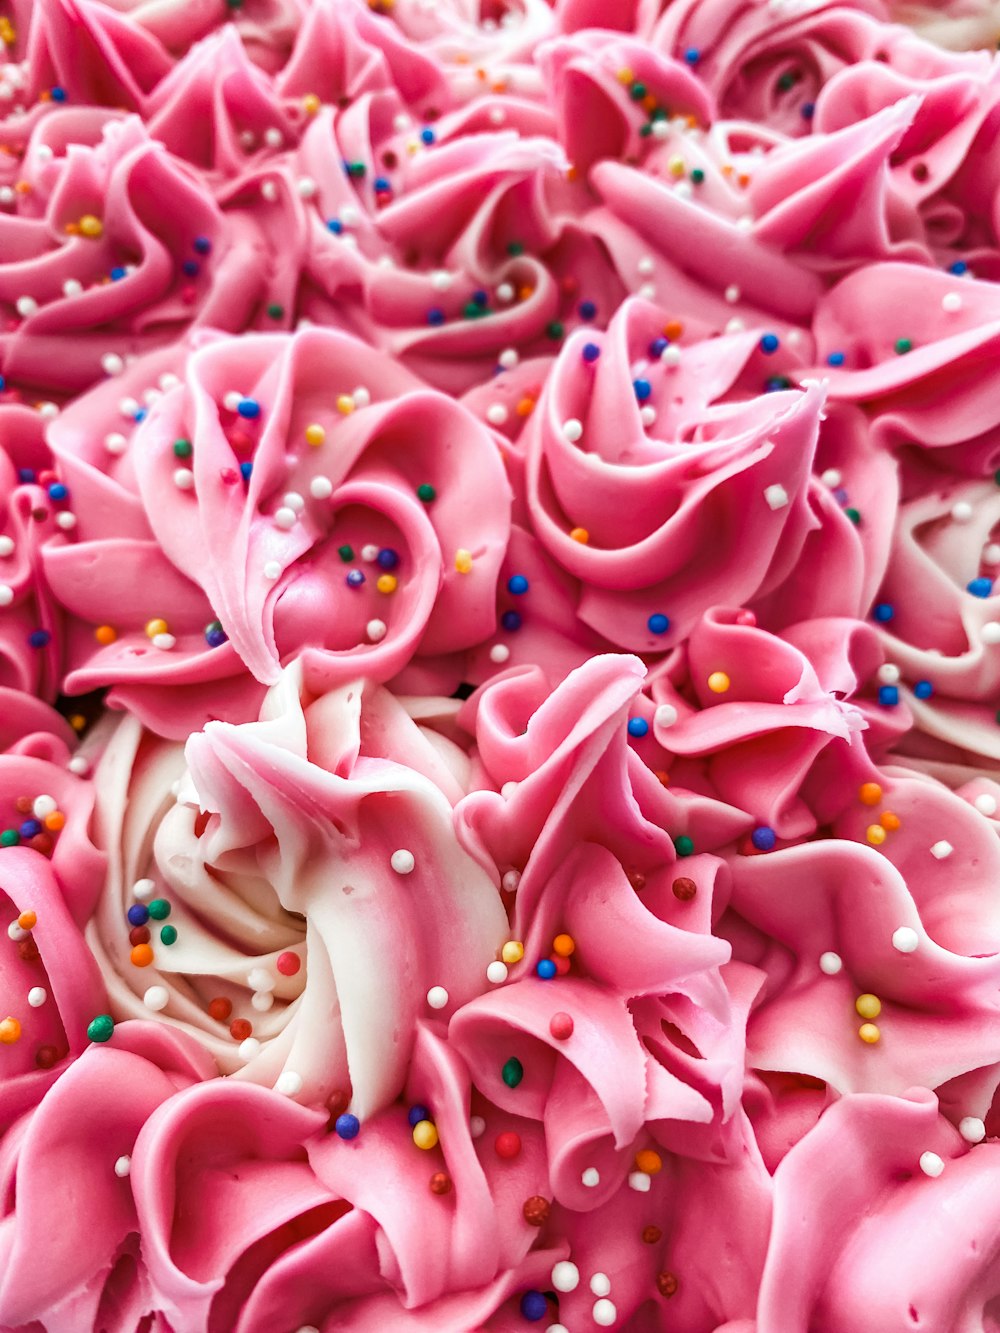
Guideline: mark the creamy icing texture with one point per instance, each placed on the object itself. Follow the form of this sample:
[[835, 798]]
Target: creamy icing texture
[[499, 666]]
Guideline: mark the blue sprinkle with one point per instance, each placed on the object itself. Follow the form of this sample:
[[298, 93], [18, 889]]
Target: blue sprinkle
[[57, 491], [959, 268], [335, 225], [923, 689], [480, 298], [202, 245], [587, 310], [417, 1113], [534, 1306], [840, 495], [978, 587], [775, 384], [764, 838], [30, 828], [638, 727], [348, 1126], [692, 55], [39, 638], [427, 135], [658, 623], [246, 471], [517, 584], [191, 267], [657, 347], [807, 110], [140, 414], [643, 389], [215, 637], [769, 343], [249, 408], [388, 558], [511, 620], [435, 316], [117, 274], [888, 695], [3, 384], [138, 914], [546, 969], [884, 612], [58, 94], [26, 475], [382, 184], [836, 359], [355, 578], [591, 352]]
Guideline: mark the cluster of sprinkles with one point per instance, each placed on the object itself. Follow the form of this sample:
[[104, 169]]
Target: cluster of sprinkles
[[12, 1029], [37, 824]]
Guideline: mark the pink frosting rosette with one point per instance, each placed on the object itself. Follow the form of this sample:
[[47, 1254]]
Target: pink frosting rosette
[[663, 480], [82, 1135], [275, 518], [299, 856], [883, 1220]]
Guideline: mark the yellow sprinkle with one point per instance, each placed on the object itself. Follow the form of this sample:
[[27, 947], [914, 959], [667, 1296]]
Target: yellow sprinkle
[[649, 1161], [91, 226], [387, 583], [425, 1135], [315, 435], [512, 951], [625, 75], [311, 104], [345, 404], [718, 682], [875, 834], [868, 1006], [580, 535], [676, 166], [869, 1033], [10, 1031], [463, 560], [157, 626], [563, 945], [105, 634]]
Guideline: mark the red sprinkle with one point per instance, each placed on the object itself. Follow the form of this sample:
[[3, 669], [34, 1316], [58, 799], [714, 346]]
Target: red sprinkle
[[240, 1029], [561, 1026], [220, 1008], [138, 935], [288, 964], [507, 1145], [563, 965], [46, 1057]]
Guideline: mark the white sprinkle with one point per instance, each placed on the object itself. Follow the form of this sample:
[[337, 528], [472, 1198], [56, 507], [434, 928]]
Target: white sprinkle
[[285, 518], [830, 963], [441, 280], [496, 973], [732, 293], [37, 996], [437, 997], [164, 642], [665, 716], [499, 653], [168, 380], [112, 363], [262, 1001], [269, 190], [294, 501], [43, 153], [249, 1049], [48, 410], [510, 881], [349, 215], [600, 1284], [128, 407], [647, 414], [16, 932], [972, 1129], [44, 805], [497, 113], [671, 355], [362, 397], [991, 553], [376, 630], [986, 804], [496, 414], [990, 633], [684, 190], [184, 479], [640, 1181], [143, 889], [369, 553], [6, 546], [477, 1126], [273, 137], [321, 488], [259, 978], [951, 301], [931, 1164], [961, 512], [232, 400], [26, 306], [156, 998], [306, 187], [735, 325], [7, 193], [591, 1177], [646, 265], [888, 673], [831, 477], [6, 594], [508, 358], [942, 850], [776, 496], [402, 861], [905, 939], [289, 1083], [272, 570], [65, 520], [123, 1166], [605, 1314], [565, 1276], [648, 291], [79, 765], [572, 430], [307, 1328], [115, 443], [505, 293]]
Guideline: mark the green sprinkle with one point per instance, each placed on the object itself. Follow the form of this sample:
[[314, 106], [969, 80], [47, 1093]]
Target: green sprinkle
[[697, 175], [472, 310], [275, 311], [182, 448], [645, 131], [637, 92], [903, 345], [356, 170], [159, 909], [996, 476], [515, 248], [786, 82], [683, 845], [9, 837], [100, 1028], [512, 1072], [426, 492], [346, 553], [554, 329], [234, 4], [659, 114], [168, 935], [854, 515]]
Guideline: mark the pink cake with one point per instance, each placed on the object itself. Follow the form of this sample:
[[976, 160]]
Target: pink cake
[[499, 666]]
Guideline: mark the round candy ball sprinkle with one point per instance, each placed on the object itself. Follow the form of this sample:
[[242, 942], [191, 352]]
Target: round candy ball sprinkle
[[512, 1072], [347, 1126], [402, 861], [100, 1029], [534, 1306], [425, 1135], [536, 1211]]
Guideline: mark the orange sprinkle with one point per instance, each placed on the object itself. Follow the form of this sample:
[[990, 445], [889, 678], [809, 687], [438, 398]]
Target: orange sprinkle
[[500, 86], [523, 293], [10, 1031], [743, 179], [27, 920], [105, 634], [889, 821], [673, 329], [22, 187], [580, 535], [648, 103], [78, 721], [141, 955], [481, 73], [55, 821], [311, 104], [525, 407], [870, 793], [72, 229], [563, 945], [727, 169], [692, 122], [662, 778], [649, 1161], [572, 172]]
